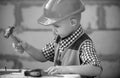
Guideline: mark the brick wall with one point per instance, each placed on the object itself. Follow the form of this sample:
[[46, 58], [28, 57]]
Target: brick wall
[[101, 20]]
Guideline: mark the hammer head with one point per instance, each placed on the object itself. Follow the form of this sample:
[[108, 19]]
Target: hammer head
[[9, 31]]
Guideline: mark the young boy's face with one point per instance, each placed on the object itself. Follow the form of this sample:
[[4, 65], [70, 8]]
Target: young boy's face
[[63, 28]]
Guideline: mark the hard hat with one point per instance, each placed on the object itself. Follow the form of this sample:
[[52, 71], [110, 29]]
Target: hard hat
[[56, 10]]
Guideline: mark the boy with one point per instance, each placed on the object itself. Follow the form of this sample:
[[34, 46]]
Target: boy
[[72, 50]]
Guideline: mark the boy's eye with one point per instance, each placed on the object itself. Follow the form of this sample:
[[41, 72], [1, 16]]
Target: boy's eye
[[56, 26]]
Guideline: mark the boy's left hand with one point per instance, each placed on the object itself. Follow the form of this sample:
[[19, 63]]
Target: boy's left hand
[[56, 70]]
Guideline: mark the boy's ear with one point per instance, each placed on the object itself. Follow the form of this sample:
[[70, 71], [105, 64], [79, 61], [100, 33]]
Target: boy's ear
[[73, 21]]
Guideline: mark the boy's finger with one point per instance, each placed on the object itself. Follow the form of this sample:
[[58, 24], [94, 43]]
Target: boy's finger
[[51, 70]]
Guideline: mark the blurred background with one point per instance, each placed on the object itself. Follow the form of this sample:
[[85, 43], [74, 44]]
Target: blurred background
[[101, 21]]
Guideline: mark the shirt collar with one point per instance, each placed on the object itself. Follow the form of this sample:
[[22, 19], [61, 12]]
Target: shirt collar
[[66, 41]]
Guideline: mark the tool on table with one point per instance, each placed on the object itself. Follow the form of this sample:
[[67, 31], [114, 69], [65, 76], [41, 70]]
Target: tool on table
[[9, 71], [35, 73]]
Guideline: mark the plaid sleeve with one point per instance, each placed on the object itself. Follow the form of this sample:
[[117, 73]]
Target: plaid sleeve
[[88, 54], [48, 51]]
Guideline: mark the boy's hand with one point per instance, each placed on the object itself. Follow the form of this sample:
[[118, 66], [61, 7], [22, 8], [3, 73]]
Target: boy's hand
[[19, 45], [57, 70]]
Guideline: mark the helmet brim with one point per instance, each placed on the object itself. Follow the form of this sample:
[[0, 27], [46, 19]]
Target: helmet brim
[[46, 21]]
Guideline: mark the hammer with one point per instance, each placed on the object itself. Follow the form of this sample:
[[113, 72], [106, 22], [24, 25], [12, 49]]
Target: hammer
[[9, 33]]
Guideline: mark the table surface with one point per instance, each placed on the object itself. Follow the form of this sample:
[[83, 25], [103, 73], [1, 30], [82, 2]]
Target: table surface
[[20, 74]]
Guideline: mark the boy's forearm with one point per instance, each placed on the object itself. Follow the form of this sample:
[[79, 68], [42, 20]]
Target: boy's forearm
[[35, 53], [87, 70]]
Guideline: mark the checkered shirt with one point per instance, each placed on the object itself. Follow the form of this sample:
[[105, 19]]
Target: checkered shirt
[[87, 50]]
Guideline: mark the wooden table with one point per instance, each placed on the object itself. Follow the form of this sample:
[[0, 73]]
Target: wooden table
[[20, 74]]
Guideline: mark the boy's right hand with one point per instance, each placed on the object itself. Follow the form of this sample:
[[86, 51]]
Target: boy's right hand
[[18, 45]]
